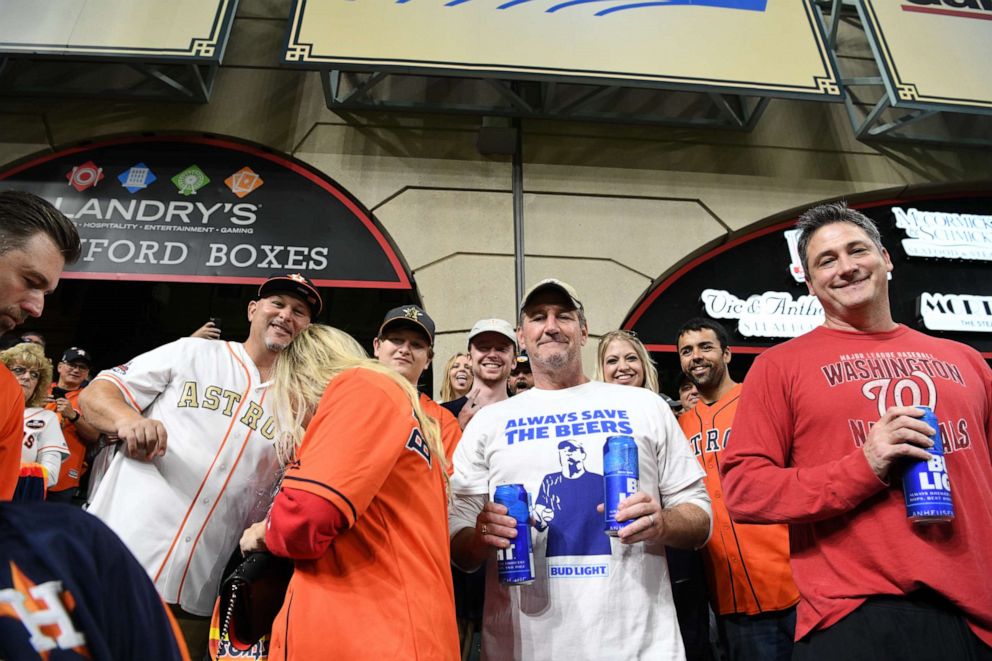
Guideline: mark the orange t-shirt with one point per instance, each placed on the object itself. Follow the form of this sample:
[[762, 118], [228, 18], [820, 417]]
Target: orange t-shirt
[[382, 590], [747, 566], [72, 466], [11, 432]]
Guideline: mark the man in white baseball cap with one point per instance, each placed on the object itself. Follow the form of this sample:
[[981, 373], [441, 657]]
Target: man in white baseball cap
[[492, 344]]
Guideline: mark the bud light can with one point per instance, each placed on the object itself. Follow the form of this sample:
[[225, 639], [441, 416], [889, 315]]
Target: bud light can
[[515, 563], [620, 476], [925, 485]]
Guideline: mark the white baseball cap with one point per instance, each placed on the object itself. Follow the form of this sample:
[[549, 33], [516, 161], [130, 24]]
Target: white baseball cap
[[552, 283], [501, 326]]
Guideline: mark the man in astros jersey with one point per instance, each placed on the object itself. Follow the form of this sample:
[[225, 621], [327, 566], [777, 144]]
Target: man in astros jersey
[[198, 463], [747, 566]]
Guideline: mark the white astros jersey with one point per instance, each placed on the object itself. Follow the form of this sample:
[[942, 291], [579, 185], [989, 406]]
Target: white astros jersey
[[183, 513], [43, 441]]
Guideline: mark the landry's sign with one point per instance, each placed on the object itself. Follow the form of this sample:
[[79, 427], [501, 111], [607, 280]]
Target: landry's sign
[[204, 209], [941, 282]]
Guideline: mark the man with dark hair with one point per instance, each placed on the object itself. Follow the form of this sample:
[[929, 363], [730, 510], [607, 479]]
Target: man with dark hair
[[73, 371], [198, 460], [521, 376], [747, 566], [826, 425], [36, 242], [34, 337]]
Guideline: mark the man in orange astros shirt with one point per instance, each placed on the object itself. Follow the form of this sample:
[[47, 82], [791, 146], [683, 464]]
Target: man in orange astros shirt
[[73, 370], [747, 566]]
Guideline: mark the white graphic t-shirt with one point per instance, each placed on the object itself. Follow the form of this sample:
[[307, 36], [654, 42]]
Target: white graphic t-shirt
[[593, 598]]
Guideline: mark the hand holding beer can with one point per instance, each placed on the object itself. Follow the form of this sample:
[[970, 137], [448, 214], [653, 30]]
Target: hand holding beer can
[[515, 564], [925, 484], [620, 479]]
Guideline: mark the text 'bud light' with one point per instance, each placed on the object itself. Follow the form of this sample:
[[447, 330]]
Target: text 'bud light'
[[925, 484], [620, 477], [515, 564]]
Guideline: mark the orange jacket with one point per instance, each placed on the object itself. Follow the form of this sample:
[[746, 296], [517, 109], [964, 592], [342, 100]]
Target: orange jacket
[[72, 466], [11, 432], [747, 566]]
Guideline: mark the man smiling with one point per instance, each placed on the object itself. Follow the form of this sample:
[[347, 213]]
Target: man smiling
[[827, 455], [492, 345], [199, 455], [591, 592]]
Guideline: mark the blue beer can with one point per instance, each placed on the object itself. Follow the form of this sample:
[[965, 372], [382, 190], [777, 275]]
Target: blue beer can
[[515, 564], [620, 477], [925, 484]]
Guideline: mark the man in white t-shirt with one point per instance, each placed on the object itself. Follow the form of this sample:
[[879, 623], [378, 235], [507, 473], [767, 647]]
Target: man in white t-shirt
[[590, 599]]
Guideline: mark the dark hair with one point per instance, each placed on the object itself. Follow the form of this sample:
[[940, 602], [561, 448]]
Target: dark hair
[[22, 215], [827, 214], [701, 323]]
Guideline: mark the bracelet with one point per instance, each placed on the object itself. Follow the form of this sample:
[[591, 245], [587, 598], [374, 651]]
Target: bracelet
[[76, 419]]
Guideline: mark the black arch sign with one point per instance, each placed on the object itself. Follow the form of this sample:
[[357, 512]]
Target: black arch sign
[[204, 209]]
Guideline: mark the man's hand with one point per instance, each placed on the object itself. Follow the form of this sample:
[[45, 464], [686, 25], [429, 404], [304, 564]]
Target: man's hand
[[253, 538], [145, 438], [644, 513], [207, 331], [494, 526], [64, 408], [471, 407], [899, 433]]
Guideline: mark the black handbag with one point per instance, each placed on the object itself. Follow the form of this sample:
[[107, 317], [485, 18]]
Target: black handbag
[[251, 596]]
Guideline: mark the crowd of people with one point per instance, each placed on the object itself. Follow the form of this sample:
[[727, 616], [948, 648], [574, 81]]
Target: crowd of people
[[762, 525]]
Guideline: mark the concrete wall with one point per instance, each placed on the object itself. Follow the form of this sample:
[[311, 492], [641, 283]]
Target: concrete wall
[[608, 208]]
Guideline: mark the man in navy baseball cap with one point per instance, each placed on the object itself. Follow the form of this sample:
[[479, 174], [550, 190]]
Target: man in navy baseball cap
[[297, 284]]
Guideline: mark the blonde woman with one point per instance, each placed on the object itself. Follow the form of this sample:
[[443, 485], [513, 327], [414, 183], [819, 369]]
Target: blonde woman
[[622, 359], [43, 447], [362, 510], [458, 377]]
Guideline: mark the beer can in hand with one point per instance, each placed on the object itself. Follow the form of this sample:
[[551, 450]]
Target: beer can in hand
[[926, 485], [620, 478], [515, 564]]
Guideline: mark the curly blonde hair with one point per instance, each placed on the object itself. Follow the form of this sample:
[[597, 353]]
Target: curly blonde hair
[[32, 357], [447, 390], [318, 355], [650, 369]]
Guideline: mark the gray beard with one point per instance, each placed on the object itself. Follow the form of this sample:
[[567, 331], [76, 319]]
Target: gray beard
[[275, 347]]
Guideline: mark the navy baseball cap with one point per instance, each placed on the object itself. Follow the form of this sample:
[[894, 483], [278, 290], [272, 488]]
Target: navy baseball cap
[[77, 355], [296, 284], [410, 315], [522, 364]]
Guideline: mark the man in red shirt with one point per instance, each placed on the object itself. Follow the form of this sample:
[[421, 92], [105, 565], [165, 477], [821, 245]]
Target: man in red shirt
[[825, 425], [73, 370], [36, 241], [747, 566]]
